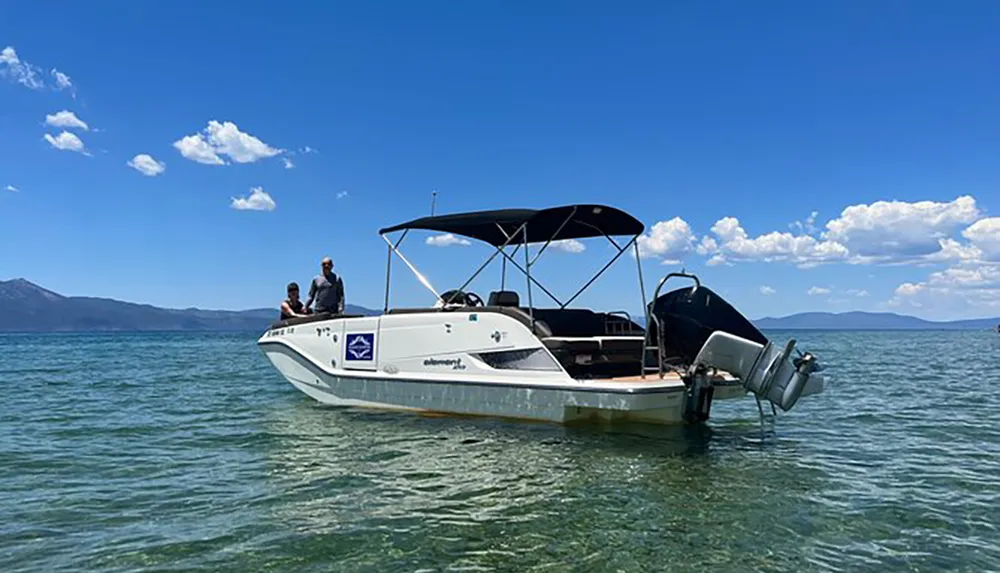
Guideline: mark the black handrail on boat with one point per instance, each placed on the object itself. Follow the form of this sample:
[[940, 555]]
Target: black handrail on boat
[[651, 320]]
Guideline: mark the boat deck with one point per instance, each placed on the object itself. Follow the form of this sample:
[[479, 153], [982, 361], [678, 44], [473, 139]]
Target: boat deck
[[651, 378], [726, 385], [654, 378]]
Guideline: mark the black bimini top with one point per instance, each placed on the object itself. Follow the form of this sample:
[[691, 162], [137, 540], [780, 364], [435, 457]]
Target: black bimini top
[[541, 225]]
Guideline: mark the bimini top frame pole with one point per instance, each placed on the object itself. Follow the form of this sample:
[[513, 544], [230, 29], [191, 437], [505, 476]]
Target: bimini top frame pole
[[394, 248], [621, 250], [423, 280], [488, 261]]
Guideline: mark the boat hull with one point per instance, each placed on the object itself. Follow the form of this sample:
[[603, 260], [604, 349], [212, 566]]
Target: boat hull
[[658, 402], [465, 363]]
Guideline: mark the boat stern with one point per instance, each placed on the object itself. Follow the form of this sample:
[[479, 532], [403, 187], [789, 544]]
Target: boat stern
[[703, 334]]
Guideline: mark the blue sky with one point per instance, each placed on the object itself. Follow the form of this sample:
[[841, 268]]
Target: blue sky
[[722, 127]]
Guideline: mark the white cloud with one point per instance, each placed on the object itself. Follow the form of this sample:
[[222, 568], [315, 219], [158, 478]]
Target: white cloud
[[62, 80], [859, 292], [224, 139], [808, 226], [717, 260], [66, 141], [66, 119], [908, 289], [816, 291], [146, 165], [883, 232], [966, 277], [707, 246], [239, 146], [766, 290], [195, 148], [13, 68], [667, 239], [257, 201], [341, 194], [733, 243], [984, 235], [446, 240], [307, 149], [288, 163], [12, 189], [951, 250], [887, 231], [569, 245], [967, 289], [19, 71], [9, 57]]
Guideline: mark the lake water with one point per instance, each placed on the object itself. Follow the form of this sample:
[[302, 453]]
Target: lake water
[[187, 452]]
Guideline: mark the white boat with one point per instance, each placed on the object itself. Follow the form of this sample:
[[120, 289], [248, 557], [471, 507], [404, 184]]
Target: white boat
[[509, 358]]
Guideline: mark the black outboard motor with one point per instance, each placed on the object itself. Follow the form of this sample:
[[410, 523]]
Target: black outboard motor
[[696, 331]]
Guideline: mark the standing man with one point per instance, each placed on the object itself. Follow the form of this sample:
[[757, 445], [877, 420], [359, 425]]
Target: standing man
[[327, 290]]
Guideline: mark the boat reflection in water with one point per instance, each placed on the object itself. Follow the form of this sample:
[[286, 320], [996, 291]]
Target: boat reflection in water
[[349, 473]]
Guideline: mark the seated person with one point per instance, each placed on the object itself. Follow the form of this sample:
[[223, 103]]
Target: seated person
[[292, 307]]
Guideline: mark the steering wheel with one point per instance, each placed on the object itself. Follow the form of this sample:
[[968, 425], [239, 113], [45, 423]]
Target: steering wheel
[[461, 298]]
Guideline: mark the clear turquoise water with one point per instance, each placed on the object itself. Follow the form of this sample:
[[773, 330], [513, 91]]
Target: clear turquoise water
[[187, 452]]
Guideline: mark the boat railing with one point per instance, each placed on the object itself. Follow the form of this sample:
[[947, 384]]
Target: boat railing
[[653, 322]]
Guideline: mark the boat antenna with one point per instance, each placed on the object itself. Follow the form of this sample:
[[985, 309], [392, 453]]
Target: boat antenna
[[434, 195]]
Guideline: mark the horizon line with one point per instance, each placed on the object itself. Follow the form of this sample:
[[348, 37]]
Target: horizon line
[[380, 311]]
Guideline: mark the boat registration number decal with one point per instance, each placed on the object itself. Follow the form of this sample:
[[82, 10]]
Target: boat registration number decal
[[361, 346]]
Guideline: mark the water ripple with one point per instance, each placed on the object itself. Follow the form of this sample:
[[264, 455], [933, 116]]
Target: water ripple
[[169, 452]]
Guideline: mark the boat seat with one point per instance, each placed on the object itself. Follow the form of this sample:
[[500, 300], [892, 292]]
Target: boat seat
[[504, 298], [569, 350], [566, 342], [595, 349], [621, 343], [571, 322], [621, 349], [603, 344]]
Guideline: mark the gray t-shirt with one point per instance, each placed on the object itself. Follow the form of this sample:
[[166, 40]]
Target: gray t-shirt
[[327, 293]]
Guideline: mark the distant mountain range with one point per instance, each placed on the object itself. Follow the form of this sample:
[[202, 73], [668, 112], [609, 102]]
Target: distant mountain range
[[27, 307], [858, 320]]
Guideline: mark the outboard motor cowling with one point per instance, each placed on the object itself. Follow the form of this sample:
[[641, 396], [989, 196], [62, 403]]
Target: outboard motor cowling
[[766, 370], [699, 330], [688, 317]]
